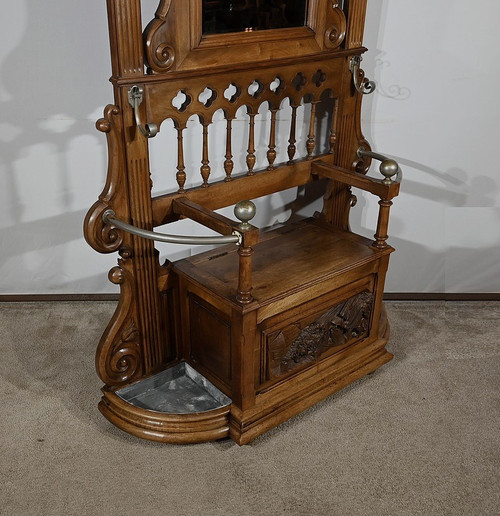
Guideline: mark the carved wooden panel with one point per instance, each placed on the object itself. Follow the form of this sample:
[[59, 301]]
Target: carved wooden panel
[[305, 341]]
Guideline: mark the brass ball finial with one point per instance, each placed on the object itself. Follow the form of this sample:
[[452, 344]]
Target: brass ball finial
[[244, 211], [388, 168]]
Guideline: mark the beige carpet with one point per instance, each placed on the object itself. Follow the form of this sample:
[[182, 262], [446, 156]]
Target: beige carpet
[[419, 437]]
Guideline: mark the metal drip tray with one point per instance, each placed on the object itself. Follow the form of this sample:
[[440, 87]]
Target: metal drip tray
[[177, 390]]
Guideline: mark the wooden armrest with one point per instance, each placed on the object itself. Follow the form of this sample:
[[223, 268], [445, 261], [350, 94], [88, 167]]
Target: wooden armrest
[[369, 184], [214, 221], [204, 216], [225, 226]]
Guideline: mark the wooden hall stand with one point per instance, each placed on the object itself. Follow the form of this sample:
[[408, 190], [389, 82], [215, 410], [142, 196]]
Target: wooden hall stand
[[236, 340]]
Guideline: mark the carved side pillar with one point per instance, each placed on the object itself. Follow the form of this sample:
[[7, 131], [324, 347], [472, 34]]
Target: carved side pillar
[[119, 356], [356, 23], [145, 257], [132, 345], [125, 32], [350, 133], [339, 198]]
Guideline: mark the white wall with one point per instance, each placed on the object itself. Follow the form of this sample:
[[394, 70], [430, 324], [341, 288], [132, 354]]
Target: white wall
[[435, 110], [436, 64]]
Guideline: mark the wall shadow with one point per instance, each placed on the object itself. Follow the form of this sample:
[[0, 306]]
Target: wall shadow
[[50, 101]]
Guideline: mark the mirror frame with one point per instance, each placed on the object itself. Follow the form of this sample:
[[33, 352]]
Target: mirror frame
[[241, 28], [174, 39]]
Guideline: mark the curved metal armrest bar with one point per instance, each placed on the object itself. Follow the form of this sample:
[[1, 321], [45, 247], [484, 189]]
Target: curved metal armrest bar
[[109, 217], [388, 166]]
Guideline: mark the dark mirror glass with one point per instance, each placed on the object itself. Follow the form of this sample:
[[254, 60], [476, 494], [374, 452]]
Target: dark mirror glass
[[222, 16]]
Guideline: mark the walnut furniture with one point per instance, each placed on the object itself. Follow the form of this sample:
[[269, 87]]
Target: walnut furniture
[[236, 340]]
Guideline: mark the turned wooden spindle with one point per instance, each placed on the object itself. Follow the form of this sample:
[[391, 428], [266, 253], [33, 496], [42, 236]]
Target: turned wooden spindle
[[311, 144], [291, 147], [271, 153], [381, 235], [244, 294], [245, 211], [333, 132], [251, 145], [205, 167], [228, 163], [181, 174]]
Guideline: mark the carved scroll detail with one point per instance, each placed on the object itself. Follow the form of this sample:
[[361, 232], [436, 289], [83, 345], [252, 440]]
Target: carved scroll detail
[[118, 356], [335, 328], [160, 53], [336, 26], [105, 238], [163, 9], [342, 200]]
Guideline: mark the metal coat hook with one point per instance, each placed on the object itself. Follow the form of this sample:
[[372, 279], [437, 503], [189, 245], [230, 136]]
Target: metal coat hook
[[135, 96], [368, 86]]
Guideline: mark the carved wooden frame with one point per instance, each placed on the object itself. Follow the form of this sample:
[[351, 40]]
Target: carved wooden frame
[[173, 40]]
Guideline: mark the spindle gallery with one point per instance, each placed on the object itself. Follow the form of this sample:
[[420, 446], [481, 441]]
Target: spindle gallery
[[236, 340]]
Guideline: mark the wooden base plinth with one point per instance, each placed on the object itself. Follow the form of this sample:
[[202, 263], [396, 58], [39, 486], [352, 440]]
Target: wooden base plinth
[[273, 407], [162, 427], [244, 433]]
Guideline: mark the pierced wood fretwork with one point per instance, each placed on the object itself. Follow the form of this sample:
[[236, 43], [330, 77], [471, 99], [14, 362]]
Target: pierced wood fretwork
[[179, 101]]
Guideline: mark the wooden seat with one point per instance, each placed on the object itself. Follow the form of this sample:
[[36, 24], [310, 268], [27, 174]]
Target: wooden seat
[[251, 333], [292, 248]]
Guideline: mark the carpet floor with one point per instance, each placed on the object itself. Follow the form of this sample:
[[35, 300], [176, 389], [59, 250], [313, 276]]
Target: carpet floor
[[420, 436]]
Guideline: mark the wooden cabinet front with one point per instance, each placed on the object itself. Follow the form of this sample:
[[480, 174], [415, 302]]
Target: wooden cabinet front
[[303, 335]]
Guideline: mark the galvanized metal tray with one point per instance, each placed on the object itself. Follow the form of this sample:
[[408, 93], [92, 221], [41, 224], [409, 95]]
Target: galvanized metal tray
[[177, 390]]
